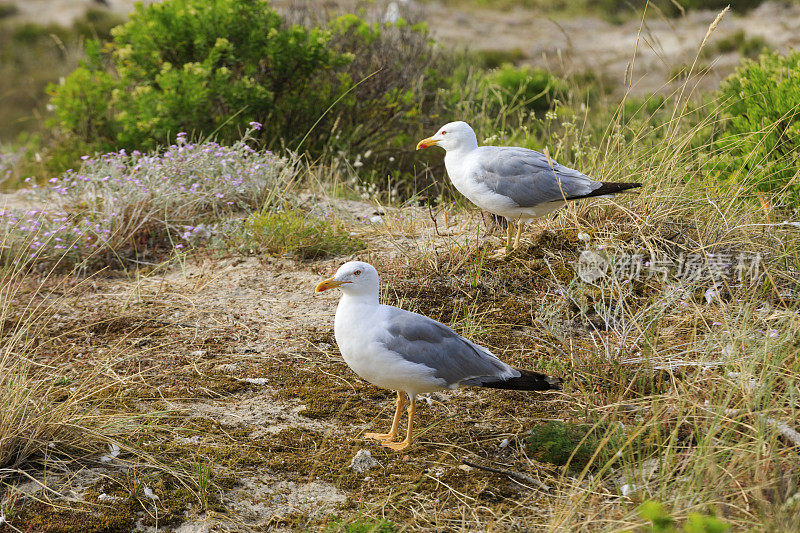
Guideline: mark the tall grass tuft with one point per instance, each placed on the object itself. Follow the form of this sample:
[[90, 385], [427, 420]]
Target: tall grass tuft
[[43, 411]]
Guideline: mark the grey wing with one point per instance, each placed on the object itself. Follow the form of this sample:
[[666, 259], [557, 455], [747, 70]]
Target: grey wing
[[456, 360], [527, 178]]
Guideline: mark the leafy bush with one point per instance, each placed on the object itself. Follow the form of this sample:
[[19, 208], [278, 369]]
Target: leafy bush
[[196, 66], [740, 42], [672, 8], [760, 144], [399, 75], [7, 10], [121, 206], [97, 24], [531, 88], [297, 233], [490, 59]]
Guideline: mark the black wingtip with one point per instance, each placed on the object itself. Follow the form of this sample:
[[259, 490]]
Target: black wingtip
[[608, 188], [532, 381]]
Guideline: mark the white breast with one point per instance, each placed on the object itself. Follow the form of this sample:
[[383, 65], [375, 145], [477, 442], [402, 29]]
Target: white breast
[[358, 330], [478, 193]]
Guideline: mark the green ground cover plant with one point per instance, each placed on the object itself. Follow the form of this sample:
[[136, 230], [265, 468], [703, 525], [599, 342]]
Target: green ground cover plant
[[297, 233], [570, 444]]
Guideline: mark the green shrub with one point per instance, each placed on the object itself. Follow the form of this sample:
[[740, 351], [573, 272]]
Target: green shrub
[[671, 8], [490, 59], [740, 42], [8, 10], [760, 143], [195, 66], [394, 106], [297, 233], [738, 6], [531, 88], [97, 24]]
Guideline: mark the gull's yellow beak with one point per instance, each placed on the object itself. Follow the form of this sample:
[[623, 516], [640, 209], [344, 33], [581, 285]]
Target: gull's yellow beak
[[425, 143], [329, 283]]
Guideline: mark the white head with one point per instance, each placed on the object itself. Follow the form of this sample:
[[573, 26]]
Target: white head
[[355, 278], [452, 136]]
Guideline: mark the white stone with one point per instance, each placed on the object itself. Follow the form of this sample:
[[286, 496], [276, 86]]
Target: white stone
[[363, 461]]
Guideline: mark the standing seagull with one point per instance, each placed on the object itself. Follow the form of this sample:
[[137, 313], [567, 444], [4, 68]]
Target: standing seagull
[[512, 182], [411, 353]]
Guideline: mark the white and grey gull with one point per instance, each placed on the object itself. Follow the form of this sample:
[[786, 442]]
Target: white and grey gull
[[411, 353], [512, 182]]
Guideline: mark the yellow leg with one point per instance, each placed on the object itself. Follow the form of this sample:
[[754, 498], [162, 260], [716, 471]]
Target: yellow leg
[[402, 445], [520, 225], [401, 402], [502, 252]]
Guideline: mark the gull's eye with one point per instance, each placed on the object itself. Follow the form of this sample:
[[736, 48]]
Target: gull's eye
[[444, 132], [357, 273]]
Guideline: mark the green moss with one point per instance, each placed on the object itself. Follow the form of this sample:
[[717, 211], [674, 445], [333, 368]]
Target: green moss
[[38, 516], [562, 443], [360, 525]]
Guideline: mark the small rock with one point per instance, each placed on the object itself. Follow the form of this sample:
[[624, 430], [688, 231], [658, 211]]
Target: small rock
[[363, 461]]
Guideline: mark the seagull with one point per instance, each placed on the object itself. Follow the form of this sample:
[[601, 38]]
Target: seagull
[[512, 182], [411, 353]]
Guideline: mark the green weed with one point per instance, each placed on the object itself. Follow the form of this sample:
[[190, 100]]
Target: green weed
[[361, 525], [297, 233]]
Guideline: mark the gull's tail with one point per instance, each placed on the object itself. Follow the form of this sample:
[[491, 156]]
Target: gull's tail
[[607, 190], [527, 380]]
